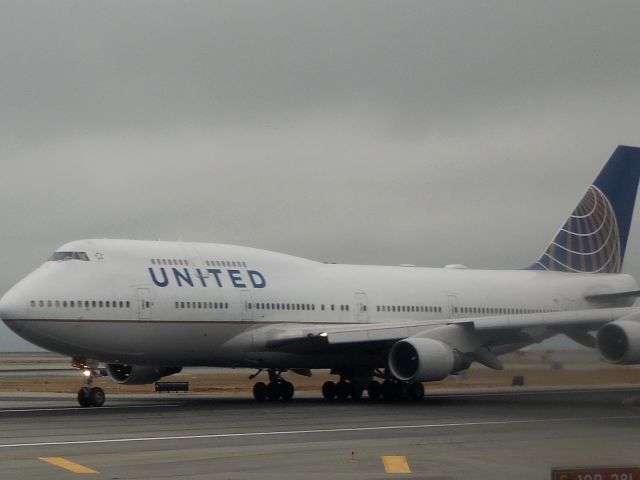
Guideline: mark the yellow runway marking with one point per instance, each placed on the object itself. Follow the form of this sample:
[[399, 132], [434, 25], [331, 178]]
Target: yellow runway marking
[[396, 464], [67, 465]]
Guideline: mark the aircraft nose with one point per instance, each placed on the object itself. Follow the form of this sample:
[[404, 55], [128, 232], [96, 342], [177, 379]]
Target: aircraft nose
[[13, 305]]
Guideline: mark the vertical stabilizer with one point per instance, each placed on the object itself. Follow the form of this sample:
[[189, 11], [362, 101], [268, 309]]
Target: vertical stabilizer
[[594, 237]]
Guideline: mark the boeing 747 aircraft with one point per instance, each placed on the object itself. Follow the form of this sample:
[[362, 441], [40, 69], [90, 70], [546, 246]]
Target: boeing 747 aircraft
[[145, 309]]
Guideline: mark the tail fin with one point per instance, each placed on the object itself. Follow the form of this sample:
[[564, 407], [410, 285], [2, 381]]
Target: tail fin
[[594, 237]]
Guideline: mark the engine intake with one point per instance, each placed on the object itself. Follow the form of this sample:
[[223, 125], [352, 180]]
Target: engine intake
[[138, 374], [619, 341], [424, 360]]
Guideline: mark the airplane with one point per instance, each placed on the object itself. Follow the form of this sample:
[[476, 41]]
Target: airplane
[[146, 309]]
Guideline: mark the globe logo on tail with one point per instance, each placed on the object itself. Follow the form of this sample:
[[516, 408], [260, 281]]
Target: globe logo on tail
[[589, 241]]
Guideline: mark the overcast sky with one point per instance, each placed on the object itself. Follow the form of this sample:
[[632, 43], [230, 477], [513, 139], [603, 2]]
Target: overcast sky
[[357, 132]]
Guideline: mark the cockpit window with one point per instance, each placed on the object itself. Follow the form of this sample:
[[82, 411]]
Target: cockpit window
[[62, 256]]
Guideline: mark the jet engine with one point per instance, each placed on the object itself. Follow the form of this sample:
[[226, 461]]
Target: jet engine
[[138, 374], [417, 359], [619, 341]]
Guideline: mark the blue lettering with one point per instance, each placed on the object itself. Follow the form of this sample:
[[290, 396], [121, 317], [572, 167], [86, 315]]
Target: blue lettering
[[216, 273], [165, 280], [201, 277], [186, 276], [236, 279], [257, 279]]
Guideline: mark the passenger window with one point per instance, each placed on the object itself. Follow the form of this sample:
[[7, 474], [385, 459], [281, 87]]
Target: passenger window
[[128, 304]]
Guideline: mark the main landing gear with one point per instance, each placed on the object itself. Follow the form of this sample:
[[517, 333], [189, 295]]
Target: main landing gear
[[277, 388], [88, 395], [390, 390]]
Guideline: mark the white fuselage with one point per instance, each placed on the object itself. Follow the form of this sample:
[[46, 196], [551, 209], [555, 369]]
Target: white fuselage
[[166, 303]]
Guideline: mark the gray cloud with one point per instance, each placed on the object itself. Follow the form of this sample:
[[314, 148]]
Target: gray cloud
[[364, 132]]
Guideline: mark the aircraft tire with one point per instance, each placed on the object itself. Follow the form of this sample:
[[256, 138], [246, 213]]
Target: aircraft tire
[[260, 391], [274, 392], [374, 390], [287, 390], [386, 391], [83, 397], [356, 391], [343, 389], [329, 390], [416, 391], [96, 397], [399, 392]]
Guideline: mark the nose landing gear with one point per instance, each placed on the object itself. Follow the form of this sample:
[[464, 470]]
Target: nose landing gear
[[88, 395], [91, 397]]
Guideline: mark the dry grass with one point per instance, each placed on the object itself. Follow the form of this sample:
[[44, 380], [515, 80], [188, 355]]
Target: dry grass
[[236, 383]]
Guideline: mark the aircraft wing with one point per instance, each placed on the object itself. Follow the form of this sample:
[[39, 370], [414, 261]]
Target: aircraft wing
[[493, 331]]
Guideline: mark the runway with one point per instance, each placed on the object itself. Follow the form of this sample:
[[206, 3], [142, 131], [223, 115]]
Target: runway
[[505, 433]]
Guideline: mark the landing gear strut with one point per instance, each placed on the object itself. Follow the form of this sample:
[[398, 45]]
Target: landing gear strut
[[88, 395], [277, 388]]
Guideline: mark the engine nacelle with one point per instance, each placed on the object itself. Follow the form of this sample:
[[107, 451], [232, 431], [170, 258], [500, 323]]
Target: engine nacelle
[[138, 374], [417, 359], [619, 341]]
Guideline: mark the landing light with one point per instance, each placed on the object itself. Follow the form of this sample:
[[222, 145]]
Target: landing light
[[86, 373], [324, 334]]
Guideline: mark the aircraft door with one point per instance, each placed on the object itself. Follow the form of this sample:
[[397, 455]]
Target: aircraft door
[[144, 304], [362, 313], [246, 309], [452, 306]]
